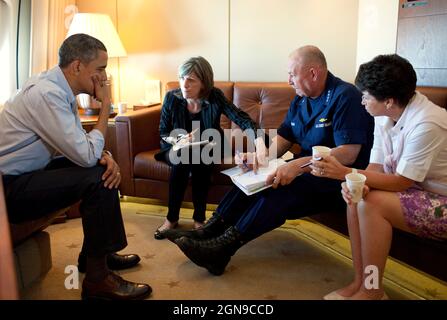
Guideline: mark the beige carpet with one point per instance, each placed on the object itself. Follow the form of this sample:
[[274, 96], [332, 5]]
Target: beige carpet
[[279, 265]]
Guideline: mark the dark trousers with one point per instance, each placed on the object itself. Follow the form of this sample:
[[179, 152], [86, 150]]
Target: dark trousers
[[178, 181], [35, 194], [262, 212]]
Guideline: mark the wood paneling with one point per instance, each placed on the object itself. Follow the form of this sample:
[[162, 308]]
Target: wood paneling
[[432, 77], [409, 9], [8, 280], [421, 38], [423, 41]]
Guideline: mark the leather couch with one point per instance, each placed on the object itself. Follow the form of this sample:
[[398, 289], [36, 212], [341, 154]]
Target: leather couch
[[31, 249], [267, 104], [138, 138]]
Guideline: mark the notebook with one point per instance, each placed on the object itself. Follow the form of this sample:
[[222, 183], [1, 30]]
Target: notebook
[[184, 142], [249, 182]]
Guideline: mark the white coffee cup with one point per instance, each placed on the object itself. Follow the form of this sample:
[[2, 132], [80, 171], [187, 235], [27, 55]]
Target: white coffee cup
[[355, 182], [122, 107], [320, 151], [84, 100]]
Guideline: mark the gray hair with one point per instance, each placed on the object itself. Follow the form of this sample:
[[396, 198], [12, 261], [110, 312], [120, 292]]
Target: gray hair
[[202, 69], [81, 47]]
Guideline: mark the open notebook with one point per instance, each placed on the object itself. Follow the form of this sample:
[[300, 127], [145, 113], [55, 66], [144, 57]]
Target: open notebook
[[249, 182], [184, 142]]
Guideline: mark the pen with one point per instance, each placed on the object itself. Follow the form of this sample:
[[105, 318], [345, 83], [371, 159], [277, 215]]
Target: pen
[[244, 163], [183, 136], [310, 162]]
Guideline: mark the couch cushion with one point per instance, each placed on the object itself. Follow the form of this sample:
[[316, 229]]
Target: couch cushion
[[32, 259], [437, 95], [266, 102], [23, 230], [145, 166]]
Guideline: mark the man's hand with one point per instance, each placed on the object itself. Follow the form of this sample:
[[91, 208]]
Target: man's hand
[[101, 89], [261, 153], [285, 174], [329, 167], [250, 161], [112, 175]]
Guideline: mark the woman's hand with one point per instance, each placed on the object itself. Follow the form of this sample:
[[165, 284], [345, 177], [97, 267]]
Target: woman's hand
[[347, 195], [329, 167]]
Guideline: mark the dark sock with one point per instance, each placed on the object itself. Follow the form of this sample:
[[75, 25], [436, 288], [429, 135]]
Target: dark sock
[[96, 269]]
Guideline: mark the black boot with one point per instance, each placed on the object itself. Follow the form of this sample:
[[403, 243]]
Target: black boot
[[214, 227], [212, 254]]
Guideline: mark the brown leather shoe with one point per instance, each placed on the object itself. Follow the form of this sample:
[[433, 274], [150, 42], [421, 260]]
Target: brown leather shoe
[[113, 287], [115, 261]]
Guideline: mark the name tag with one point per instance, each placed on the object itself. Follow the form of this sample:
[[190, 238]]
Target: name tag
[[323, 125]]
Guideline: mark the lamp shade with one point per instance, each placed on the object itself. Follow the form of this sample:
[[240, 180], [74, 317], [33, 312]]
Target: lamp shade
[[101, 27]]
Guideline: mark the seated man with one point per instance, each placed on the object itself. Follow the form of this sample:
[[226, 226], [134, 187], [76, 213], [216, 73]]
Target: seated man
[[326, 111], [40, 122]]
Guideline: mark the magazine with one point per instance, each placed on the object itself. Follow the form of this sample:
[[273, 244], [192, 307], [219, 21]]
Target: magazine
[[250, 182]]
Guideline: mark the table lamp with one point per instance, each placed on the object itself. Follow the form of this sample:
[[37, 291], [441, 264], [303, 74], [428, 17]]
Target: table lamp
[[101, 27]]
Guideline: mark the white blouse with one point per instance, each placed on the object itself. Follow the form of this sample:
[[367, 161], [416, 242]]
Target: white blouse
[[419, 139]]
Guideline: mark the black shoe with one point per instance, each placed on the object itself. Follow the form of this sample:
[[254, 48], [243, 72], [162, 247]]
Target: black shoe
[[214, 227], [114, 261], [113, 287], [212, 254]]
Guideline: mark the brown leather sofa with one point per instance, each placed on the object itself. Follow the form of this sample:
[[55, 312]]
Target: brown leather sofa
[[138, 138], [267, 104], [31, 249]]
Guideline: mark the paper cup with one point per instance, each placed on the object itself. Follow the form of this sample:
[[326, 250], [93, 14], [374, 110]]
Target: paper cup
[[122, 107], [320, 151], [355, 182], [84, 100]]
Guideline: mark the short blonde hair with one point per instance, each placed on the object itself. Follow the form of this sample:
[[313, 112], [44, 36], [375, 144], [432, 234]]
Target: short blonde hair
[[202, 69]]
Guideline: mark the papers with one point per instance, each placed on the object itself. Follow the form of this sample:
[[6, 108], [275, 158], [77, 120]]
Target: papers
[[183, 141], [249, 182]]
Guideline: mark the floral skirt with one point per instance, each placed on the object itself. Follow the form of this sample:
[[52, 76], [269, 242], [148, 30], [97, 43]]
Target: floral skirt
[[425, 213]]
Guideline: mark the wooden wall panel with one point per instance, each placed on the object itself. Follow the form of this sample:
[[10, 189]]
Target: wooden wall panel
[[421, 38], [410, 9], [432, 77], [423, 41]]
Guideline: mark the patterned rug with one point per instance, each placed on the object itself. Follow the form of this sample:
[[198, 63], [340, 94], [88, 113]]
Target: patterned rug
[[281, 264]]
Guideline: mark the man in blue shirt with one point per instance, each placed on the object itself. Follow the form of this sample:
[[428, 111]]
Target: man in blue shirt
[[327, 112], [40, 123]]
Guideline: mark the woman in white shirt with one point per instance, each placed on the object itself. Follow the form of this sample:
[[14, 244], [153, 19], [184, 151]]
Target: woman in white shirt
[[406, 184]]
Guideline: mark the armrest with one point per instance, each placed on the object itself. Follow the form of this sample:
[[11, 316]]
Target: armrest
[[8, 279], [136, 131]]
